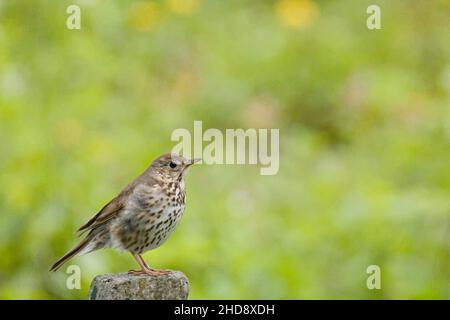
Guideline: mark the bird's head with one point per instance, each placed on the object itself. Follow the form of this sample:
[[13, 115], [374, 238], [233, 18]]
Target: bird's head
[[171, 166]]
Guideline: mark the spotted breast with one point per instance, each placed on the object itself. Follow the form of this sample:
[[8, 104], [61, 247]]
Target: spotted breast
[[149, 218]]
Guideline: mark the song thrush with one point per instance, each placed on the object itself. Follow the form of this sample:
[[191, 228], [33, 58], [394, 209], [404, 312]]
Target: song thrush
[[142, 216]]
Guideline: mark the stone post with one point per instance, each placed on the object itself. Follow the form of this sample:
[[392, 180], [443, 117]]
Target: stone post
[[124, 286]]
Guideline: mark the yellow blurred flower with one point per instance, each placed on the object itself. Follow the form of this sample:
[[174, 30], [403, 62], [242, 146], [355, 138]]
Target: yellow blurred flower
[[100, 148], [186, 84], [296, 13], [145, 15], [68, 132], [20, 195], [183, 7]]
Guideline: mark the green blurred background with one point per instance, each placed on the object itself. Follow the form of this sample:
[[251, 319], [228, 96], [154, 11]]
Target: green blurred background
[[364, 124]]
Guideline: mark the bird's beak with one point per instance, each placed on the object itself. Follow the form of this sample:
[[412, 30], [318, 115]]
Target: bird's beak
[[194, 160]]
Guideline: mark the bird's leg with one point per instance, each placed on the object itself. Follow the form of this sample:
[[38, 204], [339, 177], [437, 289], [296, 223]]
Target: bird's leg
[[143, 261], [140, 264], [145, 269], [151, 269]]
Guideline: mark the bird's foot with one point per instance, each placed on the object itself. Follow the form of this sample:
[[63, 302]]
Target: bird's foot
[[149, 272], [161, 271]]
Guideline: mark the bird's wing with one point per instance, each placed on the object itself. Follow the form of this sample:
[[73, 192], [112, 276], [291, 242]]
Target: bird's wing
[[106, 213], [110, 210]]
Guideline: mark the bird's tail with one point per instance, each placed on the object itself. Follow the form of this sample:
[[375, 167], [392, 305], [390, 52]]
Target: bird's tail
[[70, 254]]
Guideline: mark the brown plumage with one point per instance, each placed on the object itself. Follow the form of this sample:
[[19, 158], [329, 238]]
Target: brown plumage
[[141, 217]]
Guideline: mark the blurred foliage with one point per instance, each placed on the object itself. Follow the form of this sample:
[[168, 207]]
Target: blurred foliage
[[364, 124]]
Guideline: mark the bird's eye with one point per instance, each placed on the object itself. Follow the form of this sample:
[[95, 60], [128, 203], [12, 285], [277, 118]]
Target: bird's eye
[[172, 165]]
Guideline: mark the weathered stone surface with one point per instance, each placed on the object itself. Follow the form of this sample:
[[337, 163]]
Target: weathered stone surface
[[124, 286]]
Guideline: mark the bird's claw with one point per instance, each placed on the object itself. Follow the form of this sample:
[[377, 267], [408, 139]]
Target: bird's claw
[[149, 272]]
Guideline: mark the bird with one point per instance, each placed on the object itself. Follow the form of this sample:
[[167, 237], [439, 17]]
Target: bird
[[141, 217]]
